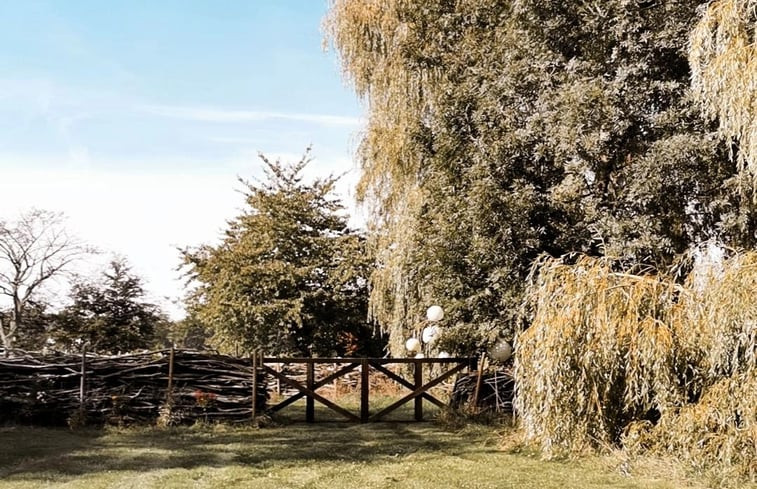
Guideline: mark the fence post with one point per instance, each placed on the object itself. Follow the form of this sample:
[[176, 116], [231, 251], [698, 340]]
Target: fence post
[[310, 403], [278, 380], [254, 385], [336, 382], [418, 380], [479, 379], [82, 378], [169, 391], [364, 389]]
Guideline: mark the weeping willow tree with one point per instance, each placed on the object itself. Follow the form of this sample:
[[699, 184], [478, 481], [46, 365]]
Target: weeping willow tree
[[499, 130], [373, 39], [643, 360], [723, 57]]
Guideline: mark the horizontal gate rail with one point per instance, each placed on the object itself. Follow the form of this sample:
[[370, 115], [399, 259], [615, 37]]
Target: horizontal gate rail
[[380, 361]]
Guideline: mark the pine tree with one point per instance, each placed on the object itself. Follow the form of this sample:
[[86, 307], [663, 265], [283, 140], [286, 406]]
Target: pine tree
[[110, 315]]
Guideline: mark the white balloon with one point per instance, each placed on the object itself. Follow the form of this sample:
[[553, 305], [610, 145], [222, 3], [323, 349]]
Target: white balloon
[[430, 334], [443, 354], [413, 345], [501, 351], [434, 313]]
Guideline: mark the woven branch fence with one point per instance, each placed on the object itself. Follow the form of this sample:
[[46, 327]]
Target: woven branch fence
[[494, 392], [179, 386]]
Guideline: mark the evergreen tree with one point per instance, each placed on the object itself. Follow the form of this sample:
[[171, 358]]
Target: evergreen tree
[[289, 275], [111, 316]]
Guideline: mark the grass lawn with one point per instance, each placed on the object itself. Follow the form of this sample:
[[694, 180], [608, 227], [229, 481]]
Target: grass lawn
[[323, 455]]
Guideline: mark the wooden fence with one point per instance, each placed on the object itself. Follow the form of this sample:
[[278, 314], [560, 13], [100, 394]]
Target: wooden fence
[[419, 390], [184, 385]]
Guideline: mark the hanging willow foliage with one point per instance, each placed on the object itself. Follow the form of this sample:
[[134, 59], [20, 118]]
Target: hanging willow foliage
[[598, 353], [723, 58], [371, 35], [394, 292], [641, 360]]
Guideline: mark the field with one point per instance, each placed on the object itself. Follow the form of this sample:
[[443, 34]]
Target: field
[[323, 455]]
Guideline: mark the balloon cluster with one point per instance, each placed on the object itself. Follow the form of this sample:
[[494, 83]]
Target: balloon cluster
[[429, 334]]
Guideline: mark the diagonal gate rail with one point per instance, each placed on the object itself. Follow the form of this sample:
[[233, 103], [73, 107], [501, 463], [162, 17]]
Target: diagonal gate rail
[[419, 390]]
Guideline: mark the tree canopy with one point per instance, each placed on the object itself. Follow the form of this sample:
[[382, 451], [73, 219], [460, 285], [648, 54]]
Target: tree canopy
[[289, 275], [501, 130], [109, 315]]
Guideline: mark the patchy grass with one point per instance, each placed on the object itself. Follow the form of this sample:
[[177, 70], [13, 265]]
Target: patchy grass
[[295, 413], [327, 455]]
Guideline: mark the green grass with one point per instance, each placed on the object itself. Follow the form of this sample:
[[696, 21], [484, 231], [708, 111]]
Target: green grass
[[326, 455], [351, 402]]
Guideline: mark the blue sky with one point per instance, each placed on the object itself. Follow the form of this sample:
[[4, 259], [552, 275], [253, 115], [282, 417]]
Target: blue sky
[[134, 118], [103, 82]]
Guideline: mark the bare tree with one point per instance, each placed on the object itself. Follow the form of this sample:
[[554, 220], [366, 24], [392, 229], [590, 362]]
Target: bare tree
[[33, 250]]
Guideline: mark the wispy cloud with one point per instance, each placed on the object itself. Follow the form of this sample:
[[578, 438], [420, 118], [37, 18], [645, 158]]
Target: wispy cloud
[[210, 114]]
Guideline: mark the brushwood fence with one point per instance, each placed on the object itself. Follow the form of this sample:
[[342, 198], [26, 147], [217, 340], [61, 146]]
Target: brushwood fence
[[179, 386], [487, 391]]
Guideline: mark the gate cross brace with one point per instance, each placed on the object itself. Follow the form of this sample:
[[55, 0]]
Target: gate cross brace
[[403, 382], [417, 392], [316, 386], [304, 391]]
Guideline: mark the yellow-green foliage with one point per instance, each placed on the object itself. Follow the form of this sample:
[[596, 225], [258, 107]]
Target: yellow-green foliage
[[608, 352], [717, 434], [598, 352], [723, 59]]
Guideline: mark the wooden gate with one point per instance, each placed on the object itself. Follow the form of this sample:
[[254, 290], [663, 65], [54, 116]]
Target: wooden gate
[[418, 389]]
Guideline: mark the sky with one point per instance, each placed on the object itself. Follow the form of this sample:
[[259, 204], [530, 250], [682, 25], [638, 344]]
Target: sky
[[135, 118]]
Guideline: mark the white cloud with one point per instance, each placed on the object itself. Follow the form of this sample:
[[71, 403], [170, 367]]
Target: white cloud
[[210, 114], [144, 217]]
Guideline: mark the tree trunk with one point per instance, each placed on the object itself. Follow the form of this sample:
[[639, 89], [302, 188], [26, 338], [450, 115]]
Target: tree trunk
[[748, 212], [4, 338], [9, 335]]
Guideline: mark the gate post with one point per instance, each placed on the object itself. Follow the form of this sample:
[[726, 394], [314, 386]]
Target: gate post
[[418, 379], [310, 402], [364, 389]]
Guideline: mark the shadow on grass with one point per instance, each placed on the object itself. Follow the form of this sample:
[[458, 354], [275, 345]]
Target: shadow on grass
[[45, 453]]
